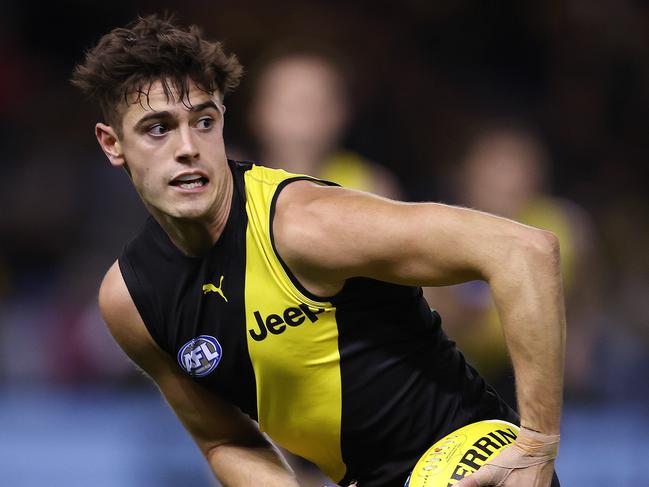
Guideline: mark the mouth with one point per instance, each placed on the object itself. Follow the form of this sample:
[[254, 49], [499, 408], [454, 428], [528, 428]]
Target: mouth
[[190, 182]]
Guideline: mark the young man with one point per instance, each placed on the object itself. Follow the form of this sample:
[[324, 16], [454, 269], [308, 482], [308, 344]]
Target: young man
[[258, 300]]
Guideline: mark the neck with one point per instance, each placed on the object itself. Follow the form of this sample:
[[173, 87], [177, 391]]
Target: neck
[[195, 237]]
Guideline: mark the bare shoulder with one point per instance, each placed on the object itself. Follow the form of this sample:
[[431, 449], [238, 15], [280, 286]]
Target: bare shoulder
[[310, 206], [124, 321], [313, 214], [315, 226]]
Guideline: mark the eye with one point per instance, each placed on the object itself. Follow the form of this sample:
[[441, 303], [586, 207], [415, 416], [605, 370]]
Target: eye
[[158, 130], [205, 123]]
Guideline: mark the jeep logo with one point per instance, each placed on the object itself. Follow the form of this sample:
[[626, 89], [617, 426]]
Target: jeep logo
[[276, 324]]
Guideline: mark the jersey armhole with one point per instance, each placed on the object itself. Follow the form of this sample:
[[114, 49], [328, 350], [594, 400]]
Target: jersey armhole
[[294, 280], [142, 302]]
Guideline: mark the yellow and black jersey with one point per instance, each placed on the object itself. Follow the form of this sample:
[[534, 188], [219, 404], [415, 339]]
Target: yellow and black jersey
[[360, 383]]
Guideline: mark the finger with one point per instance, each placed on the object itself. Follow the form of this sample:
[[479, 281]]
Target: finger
[[483, 476], [468, 482]]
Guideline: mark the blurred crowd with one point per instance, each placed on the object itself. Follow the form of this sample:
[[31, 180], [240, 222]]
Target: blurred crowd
[[534, 111]]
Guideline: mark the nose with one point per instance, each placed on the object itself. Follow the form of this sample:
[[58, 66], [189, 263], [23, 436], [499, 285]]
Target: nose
[[187, 149]]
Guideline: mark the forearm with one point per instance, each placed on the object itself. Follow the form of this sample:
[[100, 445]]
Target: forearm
[[529, 297], [237, 466]]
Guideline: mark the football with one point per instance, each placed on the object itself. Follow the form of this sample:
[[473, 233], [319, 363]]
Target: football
[[461, 453]]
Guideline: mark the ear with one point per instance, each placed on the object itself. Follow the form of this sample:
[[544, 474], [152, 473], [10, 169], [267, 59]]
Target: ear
[[110, 144]]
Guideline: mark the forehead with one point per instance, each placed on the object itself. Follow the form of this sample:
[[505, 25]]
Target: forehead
[[155, 98]]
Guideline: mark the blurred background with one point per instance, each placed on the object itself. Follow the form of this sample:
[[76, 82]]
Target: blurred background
[[538, 111]]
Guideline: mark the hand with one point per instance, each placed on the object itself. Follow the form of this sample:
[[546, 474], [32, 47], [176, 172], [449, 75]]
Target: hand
[[527, 463]]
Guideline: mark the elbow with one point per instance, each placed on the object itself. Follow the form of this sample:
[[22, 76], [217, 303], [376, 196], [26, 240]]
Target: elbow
[[213, 448], [542, 248], [547, 244], [531, 256]]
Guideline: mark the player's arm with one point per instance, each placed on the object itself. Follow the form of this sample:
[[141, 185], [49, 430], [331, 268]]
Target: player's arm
[[328, 234], [231, 442]]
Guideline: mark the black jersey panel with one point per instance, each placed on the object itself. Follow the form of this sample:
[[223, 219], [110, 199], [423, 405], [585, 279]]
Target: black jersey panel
[[404, 383], [194, 306], [138, 284]]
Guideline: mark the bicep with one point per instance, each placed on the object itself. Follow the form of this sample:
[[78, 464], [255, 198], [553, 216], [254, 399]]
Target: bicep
[[349, 234], [431, 244]]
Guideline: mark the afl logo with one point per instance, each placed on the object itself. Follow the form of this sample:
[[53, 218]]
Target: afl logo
[[200, 355]]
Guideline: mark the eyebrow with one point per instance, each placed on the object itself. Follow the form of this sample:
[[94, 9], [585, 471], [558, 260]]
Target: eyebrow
[[167, 114]]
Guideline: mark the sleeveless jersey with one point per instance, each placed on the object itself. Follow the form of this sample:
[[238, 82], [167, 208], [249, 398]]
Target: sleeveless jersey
[[360, 383]]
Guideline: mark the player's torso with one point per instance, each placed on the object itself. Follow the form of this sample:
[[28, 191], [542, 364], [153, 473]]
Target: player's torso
[[327, 380], [236, 324]]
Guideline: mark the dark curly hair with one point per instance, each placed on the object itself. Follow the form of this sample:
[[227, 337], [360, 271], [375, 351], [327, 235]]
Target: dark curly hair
[[129, 60]]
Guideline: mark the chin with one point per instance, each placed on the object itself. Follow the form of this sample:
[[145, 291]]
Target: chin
[[187, 207], [191, 212]]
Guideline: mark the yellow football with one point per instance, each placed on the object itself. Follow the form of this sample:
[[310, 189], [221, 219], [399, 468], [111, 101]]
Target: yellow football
[[461, 453]]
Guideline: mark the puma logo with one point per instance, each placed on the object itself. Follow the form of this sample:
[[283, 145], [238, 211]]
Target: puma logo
[[211, 288]]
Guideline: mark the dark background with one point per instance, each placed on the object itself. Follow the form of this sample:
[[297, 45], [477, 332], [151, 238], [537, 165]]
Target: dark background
[[424, 75]]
